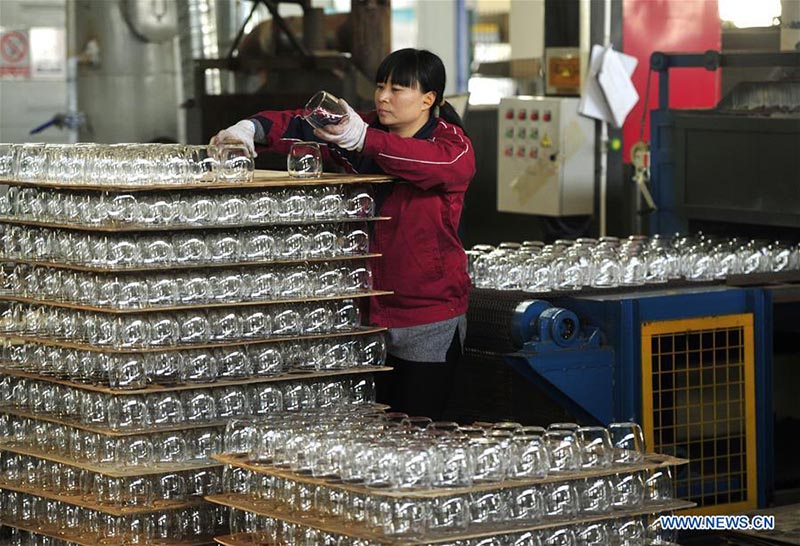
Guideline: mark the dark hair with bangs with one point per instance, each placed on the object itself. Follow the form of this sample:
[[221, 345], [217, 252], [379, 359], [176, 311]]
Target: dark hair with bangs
[[411, 67]]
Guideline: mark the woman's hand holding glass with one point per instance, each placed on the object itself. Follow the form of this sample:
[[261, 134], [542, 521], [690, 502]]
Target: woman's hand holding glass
[[350, 133], [243, 132]]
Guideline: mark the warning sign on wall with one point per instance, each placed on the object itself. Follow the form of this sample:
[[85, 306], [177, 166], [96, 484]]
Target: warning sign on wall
[[15, 54]]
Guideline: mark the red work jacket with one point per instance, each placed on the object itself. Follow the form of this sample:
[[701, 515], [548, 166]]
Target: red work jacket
[[423, 260]]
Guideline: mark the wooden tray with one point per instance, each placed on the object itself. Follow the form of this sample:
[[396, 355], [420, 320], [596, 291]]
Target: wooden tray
[[95, 540], [340, 526], [78, 500], [291, 376], [161, 309], [363, 331], [652, 460], [187, 267], [132, 227], [261, 179], [120, 472]]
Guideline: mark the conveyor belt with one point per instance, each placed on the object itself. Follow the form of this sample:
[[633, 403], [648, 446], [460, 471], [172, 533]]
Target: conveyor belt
[[489, 319]]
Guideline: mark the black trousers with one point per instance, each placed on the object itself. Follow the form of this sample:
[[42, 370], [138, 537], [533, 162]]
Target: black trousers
[[419, 388]]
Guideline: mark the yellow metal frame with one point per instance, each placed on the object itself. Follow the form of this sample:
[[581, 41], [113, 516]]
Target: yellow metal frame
[[711, 323]]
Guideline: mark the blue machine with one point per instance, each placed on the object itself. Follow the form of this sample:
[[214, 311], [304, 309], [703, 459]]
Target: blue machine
[[693, 365], [680, 146], [572, 363]]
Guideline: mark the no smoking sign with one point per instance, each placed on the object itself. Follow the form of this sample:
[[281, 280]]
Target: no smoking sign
[[15, 58]]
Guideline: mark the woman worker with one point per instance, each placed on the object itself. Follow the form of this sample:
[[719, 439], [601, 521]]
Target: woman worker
[[415, 135]]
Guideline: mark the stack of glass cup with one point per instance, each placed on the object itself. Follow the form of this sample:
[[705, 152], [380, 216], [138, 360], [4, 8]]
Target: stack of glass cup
[[365, 477], [148, 301], [610, 262], [135, 291], [128, 251], [279, 360], [266, 206], [125, 165], [48, 521]]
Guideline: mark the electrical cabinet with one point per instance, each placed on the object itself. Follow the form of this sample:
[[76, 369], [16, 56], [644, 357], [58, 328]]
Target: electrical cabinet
[[545, 160]]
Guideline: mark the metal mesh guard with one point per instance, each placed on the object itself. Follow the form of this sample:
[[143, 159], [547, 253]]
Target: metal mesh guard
[[700, 391]]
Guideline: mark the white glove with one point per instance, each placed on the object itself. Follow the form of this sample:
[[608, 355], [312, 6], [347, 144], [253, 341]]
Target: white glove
[[243, 132], [349, 134]]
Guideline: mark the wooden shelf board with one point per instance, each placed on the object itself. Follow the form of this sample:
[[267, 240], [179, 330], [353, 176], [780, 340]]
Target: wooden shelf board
[[291, 376], [261, 179]]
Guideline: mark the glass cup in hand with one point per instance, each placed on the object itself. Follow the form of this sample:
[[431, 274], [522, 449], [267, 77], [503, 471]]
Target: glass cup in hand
[[304, 160], [323, 109]]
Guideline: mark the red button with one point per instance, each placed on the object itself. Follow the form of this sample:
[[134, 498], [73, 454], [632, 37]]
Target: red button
[[522, 114], [535, 115], [509, 151], [509, 114], [521, 151], [546, 116], [533, 153]]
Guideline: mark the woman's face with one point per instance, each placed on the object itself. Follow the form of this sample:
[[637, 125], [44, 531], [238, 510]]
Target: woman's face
[[402, 110]]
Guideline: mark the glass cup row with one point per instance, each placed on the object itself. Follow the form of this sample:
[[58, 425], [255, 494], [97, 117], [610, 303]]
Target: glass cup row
[[571, 265], [26, 472], [19, 537], [137, 371], [129, 251], [623, 531], [383, 455], [127, 164], [150, 450], [94, 526], [176, 328], [179, 209], [145, 452], [525, 504], [134, 412], [191, 287]]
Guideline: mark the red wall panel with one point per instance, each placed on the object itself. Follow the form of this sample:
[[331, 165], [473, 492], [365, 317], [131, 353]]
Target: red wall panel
[[670, 26]]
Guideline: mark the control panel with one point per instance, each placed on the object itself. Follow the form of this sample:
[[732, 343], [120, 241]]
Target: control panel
[[546, 157]]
